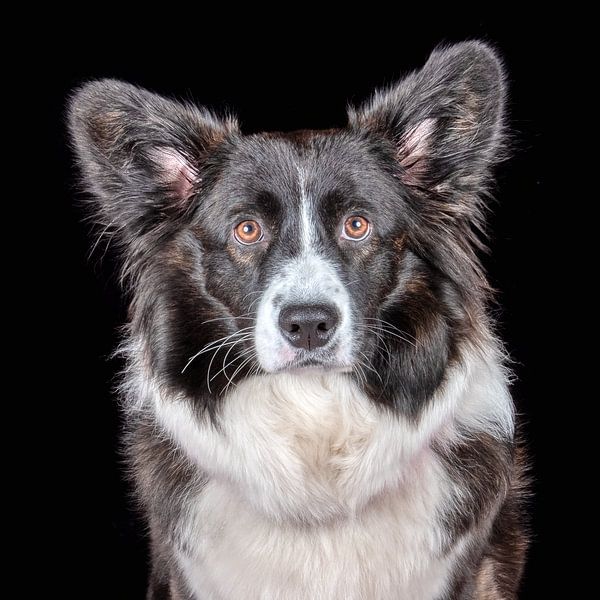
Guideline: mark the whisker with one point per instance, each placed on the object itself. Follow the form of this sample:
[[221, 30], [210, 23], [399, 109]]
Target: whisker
[[400, 337], [233, 360], [252, 356], [212, 344], [240, 367], [391, 326], [388, 353], [254, 292], [381, 339], [394, 331], [353, 281], [369, 366], [245, 318], [361, 372], [213, 358], [251, 305]]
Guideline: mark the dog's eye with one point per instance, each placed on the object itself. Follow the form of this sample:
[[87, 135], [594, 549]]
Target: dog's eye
[[356, 228], [248, 232]]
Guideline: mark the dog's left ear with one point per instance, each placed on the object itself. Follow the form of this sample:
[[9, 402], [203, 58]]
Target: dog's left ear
[[445, 120]]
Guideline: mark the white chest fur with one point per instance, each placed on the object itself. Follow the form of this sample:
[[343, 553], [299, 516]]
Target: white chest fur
[[390, 550], [315, 493]]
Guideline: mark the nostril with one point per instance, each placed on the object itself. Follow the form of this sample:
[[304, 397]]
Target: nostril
[[322, 327], [294, 328]]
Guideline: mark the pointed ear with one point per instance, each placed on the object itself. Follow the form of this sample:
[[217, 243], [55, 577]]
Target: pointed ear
[[445, 120], [141, 155]]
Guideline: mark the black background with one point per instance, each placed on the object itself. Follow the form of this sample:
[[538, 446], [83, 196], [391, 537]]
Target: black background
[[272, 81]]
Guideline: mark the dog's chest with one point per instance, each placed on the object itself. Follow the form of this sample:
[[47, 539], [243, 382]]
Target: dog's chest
[[324, 498], [390, 551]]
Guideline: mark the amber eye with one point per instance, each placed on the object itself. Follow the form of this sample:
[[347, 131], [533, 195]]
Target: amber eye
[[356, 228], [248, 232]]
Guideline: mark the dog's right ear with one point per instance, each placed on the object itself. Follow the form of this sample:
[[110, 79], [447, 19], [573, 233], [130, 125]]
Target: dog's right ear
[[141, 155]]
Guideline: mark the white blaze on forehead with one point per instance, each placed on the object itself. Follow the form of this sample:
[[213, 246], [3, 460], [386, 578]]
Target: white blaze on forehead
[[306, 279], [307, 221]]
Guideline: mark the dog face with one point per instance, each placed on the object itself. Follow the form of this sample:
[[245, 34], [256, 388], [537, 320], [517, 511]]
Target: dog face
[[348, 250], [324, 225]]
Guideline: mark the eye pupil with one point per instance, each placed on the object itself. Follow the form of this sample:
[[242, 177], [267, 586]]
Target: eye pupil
[[356, 228], [248, 232]]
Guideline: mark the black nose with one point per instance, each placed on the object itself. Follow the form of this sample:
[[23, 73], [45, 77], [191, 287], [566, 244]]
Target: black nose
[[308, 326]]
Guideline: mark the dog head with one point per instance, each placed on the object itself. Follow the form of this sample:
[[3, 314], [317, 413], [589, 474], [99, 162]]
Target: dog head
[[349, 250]]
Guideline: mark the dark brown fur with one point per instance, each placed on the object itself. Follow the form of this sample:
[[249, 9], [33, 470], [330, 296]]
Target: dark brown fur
[[490, 474]]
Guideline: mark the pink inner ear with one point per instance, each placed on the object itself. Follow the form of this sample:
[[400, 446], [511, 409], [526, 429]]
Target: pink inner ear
[[176, 171], [413, 150]]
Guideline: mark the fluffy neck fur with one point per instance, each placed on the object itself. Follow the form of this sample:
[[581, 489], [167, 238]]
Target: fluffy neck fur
[[299, 469]]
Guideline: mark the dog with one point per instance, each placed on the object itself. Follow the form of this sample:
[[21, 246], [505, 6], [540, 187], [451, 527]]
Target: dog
[[316, 403]]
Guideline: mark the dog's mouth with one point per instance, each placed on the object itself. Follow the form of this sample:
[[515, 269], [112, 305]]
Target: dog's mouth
[[315, 362]]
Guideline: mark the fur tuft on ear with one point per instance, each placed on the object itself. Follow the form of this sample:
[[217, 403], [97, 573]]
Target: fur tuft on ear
[[445, 120], [177, 173], [141, 155], [444, 124]]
